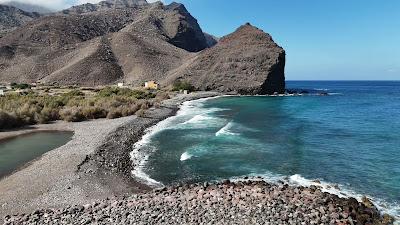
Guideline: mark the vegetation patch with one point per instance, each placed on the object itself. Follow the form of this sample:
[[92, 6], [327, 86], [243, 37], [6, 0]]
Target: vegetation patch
[[111, 102], [183, 85]]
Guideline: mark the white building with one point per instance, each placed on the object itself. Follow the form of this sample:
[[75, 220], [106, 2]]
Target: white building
[[1, 92]]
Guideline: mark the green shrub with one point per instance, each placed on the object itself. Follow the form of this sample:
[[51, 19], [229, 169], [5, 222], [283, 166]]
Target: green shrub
[[19, 110], [20, 86], [124, 92], [182, 85], [74, 93]]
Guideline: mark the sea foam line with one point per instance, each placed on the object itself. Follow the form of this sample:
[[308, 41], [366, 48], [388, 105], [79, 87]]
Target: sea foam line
[[140, 158]]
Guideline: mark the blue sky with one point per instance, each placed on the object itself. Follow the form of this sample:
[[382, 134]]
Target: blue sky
[[324, 40]]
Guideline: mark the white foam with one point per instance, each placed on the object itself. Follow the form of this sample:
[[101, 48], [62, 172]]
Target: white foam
[[140, 157], [185, 156], [226, 130], [342, 191]]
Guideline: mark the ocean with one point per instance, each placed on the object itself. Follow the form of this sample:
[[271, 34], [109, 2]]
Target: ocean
[[350, 138]]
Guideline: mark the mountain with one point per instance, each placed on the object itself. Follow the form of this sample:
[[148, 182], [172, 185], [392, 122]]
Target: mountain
[[247, 61], [104, 5], [12, 17], [211, 39], [28, 7], [135, 42]]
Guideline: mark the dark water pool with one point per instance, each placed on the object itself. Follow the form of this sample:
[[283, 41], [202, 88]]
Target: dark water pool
[[16, 152]]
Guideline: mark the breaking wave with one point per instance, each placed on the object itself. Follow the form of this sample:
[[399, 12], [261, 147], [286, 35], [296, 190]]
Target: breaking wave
[[185, 156], [226, 130]]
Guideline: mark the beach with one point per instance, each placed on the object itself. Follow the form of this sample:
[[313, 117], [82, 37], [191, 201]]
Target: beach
[[94, 165], [89, 180]]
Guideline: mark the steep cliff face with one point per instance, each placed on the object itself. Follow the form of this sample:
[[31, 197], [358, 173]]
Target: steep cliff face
[[247, 61], [185, 32]]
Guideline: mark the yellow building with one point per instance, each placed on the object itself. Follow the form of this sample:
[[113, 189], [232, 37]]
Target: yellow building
[[151, 85]]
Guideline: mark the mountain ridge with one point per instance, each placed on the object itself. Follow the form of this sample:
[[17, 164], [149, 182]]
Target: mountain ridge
[[138, 43]]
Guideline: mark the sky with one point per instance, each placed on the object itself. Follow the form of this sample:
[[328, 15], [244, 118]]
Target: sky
[[323, 39]]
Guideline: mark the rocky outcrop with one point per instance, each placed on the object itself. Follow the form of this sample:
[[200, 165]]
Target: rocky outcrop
[[247, 61], [103, 6], [11, 18]]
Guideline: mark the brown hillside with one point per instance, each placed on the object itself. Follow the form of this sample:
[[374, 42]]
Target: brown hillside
[[137, 43]]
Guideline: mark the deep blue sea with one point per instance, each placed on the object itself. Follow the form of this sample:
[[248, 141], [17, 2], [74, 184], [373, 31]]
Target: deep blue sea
[[350, 138]]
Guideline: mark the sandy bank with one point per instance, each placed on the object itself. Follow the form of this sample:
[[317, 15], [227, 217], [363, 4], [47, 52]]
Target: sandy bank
[[94, 165]]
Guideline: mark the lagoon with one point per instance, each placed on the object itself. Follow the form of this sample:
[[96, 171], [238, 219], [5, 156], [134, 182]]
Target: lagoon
[[16, 152]]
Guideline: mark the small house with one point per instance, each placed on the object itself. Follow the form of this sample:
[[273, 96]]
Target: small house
[[1, 92], [120, 85], [151, 85]]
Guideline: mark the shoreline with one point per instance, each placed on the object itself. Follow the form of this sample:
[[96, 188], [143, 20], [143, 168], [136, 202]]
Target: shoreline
[[93, 166], [51, 127], [110, 163], [240, 202]]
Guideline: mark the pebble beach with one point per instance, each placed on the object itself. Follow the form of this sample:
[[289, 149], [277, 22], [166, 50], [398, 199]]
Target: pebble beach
[[89, 181]]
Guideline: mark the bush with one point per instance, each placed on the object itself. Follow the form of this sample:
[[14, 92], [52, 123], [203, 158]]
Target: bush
[[182, 85], [140, 113], [94, 113], [8, 121], [124, 92], [74, 93], [114, 113], [73, 114], [20, 86], [19, 110]]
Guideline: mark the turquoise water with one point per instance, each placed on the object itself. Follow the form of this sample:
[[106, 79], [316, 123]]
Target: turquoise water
[[18, 151], [350, 138]]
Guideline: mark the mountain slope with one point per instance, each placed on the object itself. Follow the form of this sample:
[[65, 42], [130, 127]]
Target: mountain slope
[[104, 5], [11, 18], [246, 61], [28, 7], [138, 43]]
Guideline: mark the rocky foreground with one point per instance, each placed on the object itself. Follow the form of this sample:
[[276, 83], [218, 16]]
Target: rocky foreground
[[245, 202]]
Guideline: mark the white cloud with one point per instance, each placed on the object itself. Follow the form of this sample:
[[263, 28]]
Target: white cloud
[[59, 4]]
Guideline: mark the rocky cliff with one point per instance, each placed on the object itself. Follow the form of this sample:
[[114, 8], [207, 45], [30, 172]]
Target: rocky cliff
[[133, 41], [247, 61]]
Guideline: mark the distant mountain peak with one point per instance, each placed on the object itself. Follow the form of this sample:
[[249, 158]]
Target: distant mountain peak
[[104, 5], [27, 7], [127, 3]]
